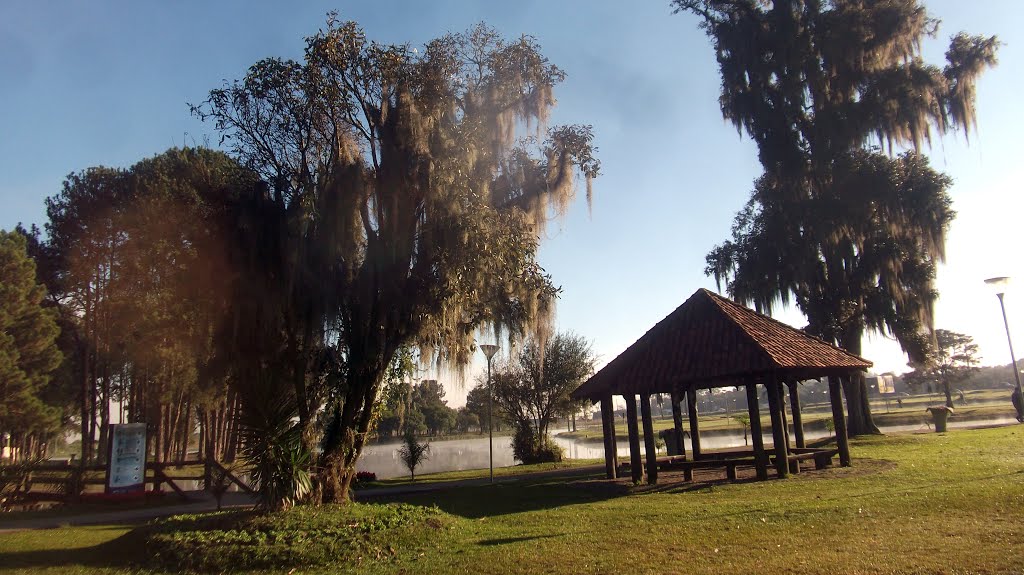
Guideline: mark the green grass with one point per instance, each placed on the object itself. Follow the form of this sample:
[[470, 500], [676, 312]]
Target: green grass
[[912, 503]]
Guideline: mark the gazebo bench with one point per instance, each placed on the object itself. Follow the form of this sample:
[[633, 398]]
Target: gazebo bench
[[688, 465], [822, 457]]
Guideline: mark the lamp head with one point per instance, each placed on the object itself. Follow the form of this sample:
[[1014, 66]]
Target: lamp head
[[489, 350], [998, 285]]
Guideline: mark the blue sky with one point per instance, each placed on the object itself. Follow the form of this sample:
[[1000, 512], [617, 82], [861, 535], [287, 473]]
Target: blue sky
[[90, 83]]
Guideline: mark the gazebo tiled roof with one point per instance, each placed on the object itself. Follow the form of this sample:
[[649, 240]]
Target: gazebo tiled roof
[[710, 340]]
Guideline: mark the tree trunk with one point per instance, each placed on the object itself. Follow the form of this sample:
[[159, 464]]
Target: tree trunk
[[945, 389], [351, 425], [859, 420]]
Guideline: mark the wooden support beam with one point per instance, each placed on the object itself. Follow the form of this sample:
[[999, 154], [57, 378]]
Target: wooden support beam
[[778, 432], [691, 407], [608, 430], [798, 422], [677, 421], [782, 412], [754, 412], [835, 395], [650, 446], [635, 465]]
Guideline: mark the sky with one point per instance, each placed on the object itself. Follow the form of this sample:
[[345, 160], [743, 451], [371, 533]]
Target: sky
[[104, 82]]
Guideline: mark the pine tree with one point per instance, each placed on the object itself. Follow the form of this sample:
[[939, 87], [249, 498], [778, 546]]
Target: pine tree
[[28, 350]]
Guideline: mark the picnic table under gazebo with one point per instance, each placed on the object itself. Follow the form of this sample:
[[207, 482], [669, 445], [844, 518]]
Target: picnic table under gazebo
[[711, 342]]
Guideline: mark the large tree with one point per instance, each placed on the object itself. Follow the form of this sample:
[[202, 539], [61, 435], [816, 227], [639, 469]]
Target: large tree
[[28, 351], [407, 204], [850, 233]]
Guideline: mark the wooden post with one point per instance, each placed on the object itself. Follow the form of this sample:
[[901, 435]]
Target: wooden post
[[691, 407], [635, 466], [760, 457], [608, 429], [677, 421], [778, 433], [649, 444], [794, 404], [782, 413], [835, 395]]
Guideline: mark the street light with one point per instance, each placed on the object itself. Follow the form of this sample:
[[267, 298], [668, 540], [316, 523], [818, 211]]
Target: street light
[[999, 285], [489, 350]]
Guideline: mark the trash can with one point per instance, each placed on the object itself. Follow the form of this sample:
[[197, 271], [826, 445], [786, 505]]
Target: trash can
[[940, 413], [672, 443]]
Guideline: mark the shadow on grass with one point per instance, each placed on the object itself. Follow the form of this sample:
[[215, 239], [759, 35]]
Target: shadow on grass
[[479, 501], [508, 540], [120, 552]]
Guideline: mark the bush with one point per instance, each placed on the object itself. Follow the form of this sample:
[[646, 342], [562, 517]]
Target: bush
[[364, 476], [547, 453], [243, 541], [528, 449]]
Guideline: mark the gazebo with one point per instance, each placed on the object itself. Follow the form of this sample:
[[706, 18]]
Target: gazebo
[[711, 342]]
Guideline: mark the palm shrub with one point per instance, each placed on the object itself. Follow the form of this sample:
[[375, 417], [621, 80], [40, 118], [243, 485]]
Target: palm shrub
[[412, 452], [744, 420], [271, 440]]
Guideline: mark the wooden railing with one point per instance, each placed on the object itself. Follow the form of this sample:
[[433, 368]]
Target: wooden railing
[[68, 481]]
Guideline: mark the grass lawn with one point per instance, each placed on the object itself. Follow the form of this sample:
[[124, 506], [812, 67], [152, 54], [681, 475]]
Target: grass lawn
[[913, 503]]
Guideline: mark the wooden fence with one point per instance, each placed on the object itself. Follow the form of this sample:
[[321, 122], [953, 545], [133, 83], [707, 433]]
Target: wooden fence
[[68, 482]]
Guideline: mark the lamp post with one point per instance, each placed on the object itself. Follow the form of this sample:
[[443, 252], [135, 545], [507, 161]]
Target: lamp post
[[999, 285], [489, 350]]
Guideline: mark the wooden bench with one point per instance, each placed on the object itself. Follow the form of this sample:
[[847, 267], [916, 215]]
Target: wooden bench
[[688, 465], [731, 460], [822, 458]]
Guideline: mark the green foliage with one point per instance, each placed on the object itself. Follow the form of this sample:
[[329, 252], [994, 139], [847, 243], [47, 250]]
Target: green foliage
[[476, 403], [28, 348], [243, 541], [428, 399], [951, 358], [536, 388], [528, 448], [744, 420], [278, 463], [413, 453], [136, 263], [465, 420], [396, 394]]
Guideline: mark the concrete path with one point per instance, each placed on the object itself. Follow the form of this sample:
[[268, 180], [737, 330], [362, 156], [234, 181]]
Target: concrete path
[[200, 501]]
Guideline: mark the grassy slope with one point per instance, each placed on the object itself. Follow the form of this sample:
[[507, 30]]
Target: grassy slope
[[939, 503]]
